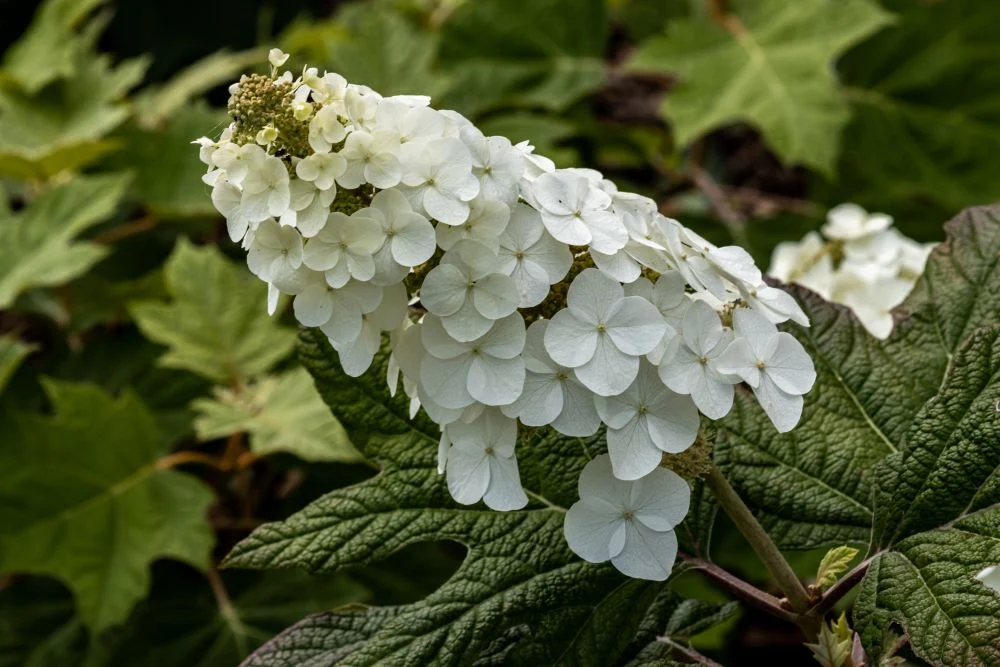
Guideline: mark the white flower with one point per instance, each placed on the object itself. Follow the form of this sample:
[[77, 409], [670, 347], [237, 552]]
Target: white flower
[[356, 356], [325, 129], [644, 421], [481, 464], [236, 161], [439, 173], [577, 212], [277, 57], [407, 122], [551, 395], [497, 164], [602, 333], [487, 220], [336, 311], [775, 304], [849, 222], [343, 249], [773, 363], [806, 262], [228, 200], [372, 157], [467, 293], [669, 297], [308, 207], [488, 369], [321, 169], [871, 302], [265, 190], [275, 250], [629, 523], [531, 257], [409, 236], [689, 363]]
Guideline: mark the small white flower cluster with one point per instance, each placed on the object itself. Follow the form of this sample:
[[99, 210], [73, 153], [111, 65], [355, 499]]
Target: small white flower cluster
[[383, 215], [860, 261]]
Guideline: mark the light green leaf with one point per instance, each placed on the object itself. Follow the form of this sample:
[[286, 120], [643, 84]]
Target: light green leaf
[[12, 353], [63, 127], [157, 104], [835, 562], [167, 168], [48, 49], [519, 576], [37, 242], [216, 325], [813, 486], [281, 413], [84, 500], [770, 65], [833, 648], [926, 123]]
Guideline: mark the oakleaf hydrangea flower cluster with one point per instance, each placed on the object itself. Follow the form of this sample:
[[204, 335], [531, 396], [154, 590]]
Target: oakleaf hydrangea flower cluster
[[860, 261], [513, 294]]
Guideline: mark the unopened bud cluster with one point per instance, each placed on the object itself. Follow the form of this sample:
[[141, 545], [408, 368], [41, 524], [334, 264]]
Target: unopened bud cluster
[[510, 291]]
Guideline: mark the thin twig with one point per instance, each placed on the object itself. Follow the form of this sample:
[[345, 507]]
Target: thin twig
[[689, 653], [124, 231], [741, 589], [182, 458], [842, 587]]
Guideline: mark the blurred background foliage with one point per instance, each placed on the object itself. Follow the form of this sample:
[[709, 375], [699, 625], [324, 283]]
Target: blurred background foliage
[[151, 414]]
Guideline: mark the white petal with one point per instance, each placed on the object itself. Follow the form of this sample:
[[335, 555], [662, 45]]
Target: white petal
[[783, 409], [589, 527], [790, 366], [495, 296], [609, 372], [647, 554], [467, 324], [661, 499], [496, 381], [444, 290], [579, 416], [540, 402], [504, 492], [593, 294], [570, 341], [414, 243], [636, 327], [447, 381], [633, 452], [468, 475]]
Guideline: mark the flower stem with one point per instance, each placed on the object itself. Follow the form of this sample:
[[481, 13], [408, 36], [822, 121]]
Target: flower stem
[[743, 590], [761, 542]]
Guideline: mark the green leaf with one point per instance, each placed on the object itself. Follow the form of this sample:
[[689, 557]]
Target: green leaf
[[835, 563], [38, 241], [518, 577], [85, 501], [12, 352], [768, 63], [63, 127], [282, 414], [926, 125], [543, 54], [167, 170], [813, 486], [155, 105], [49, 47], [833, 648], [216, 325]]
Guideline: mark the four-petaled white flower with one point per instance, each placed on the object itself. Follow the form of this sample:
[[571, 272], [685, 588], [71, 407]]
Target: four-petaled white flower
[[629, 523], [645, 421], [265, 190], [496, 163], [577, 212], [467, 292], [325, 130], [372, 157], [602, 333], [480, 462], [551, 395], [531, 257], [849, 222], [321, 169], [488, 369], [773, 363], [689, 363], [409, 236], [343, 249], [440, 179], [336, 311], [487, 220], [274, 251]]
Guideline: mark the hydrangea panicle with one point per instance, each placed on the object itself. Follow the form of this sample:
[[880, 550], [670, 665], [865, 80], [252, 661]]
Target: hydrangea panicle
[[512, 293]]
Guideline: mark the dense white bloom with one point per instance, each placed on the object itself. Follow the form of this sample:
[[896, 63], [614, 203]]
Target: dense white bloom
[[481, 464], [773, 363], [630, 523], [808, 262], [551, 395], [488, 369], [531, 257], [467, 292], [602, 333], [382, 215], [689, 365], [645, 421]]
